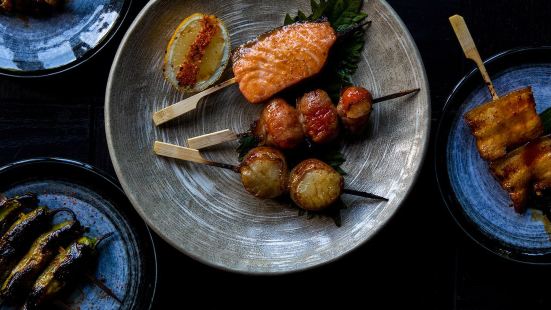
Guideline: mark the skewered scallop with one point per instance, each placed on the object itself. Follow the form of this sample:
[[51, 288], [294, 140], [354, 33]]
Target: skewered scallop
[[314, 185], [264, 172]]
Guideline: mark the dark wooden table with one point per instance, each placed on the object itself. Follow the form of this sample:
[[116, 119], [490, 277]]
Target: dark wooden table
[[420, 260]]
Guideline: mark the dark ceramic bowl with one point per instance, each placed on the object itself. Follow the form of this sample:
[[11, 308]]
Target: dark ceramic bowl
[[42, 46], [474, 198], [126, 262]]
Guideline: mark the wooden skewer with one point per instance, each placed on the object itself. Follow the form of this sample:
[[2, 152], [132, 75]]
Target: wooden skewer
[[210, 139], [469, 48], [396, 95], [186, 105], [103, 287], [227, 135], [187, 154]]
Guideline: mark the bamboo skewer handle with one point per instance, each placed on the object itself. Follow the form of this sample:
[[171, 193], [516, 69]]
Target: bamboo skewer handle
[[211, 139], [469, 48], [178, 152], [187, 154], [186, 105]]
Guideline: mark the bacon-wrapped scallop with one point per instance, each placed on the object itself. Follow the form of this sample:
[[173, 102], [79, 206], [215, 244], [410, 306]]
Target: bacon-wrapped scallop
[[355, 106], [318, 116], [279, 125]]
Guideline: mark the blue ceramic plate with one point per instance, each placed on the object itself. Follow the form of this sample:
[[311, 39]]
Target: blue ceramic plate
[[126, 262], [475, 199], [37, 46]]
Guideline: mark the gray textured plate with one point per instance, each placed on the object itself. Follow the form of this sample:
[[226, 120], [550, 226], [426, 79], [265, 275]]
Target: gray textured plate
[[126, 261], [38, 46], [204, 211], [473, 196]]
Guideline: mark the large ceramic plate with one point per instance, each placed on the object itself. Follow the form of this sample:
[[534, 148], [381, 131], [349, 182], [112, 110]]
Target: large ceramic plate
[[204, 211], [126, 261], [38, 46], [480, 206]]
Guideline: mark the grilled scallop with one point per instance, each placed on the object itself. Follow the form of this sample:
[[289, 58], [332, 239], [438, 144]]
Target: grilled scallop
[[314, 185], [264, 172]]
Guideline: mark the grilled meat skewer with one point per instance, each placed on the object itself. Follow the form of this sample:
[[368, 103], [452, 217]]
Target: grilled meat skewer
[[505, 123], [282, 126], [525, 170]]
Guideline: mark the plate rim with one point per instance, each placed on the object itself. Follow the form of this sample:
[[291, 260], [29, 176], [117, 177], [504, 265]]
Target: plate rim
[[112, 183], [418, 167], [36, 74], [499, 250]]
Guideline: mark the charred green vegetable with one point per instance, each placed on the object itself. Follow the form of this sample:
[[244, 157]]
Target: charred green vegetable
[[11, 208], [19, 236], [32, 7], [23, 276], [64, 269]]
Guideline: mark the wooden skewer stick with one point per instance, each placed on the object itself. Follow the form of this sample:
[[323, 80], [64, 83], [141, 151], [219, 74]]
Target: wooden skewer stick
[[396, 95], [186, 105], [103, 287], [187, 154], [469, 48], [363, 194], [213, 138], [227, 135]]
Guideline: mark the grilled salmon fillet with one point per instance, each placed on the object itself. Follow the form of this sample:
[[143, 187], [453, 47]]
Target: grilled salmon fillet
[[502, 124], [281, 58], [525, 170]]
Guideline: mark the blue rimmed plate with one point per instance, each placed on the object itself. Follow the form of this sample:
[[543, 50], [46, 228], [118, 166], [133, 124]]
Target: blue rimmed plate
[[39, 46], [126, 261], [475, 199]]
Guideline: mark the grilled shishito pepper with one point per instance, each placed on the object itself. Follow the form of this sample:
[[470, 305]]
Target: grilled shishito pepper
[[67, 265], [18, 237], [39, 256], [12, 208]]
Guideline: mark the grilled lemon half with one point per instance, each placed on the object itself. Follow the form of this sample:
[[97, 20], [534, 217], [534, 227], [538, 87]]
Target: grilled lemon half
[[197, 54]]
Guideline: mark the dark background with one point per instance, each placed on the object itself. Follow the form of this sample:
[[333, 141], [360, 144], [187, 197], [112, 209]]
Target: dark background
[[421, 259]]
